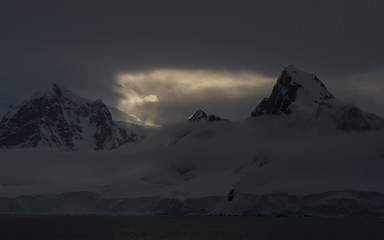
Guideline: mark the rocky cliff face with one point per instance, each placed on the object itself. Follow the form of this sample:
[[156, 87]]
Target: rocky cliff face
[[298, 92], [59, 118]]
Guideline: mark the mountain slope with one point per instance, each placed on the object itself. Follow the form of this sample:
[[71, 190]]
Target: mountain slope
[[58, 118]]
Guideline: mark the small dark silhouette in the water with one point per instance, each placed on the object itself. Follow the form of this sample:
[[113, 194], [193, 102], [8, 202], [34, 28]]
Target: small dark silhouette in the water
[[231, 194]]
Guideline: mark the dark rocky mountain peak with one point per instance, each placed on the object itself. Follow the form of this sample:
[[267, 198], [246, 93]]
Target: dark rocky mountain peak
[[197, 116], [301, 93], [200, 115], [295, 90]]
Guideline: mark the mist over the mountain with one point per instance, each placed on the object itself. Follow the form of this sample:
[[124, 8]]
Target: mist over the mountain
[[200, 160], [264, 108], [298, 148]]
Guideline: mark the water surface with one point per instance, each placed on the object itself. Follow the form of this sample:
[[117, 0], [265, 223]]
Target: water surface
[[186, 227]]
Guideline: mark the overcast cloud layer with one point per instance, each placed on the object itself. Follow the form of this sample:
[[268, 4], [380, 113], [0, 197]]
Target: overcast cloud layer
[[89, 45]]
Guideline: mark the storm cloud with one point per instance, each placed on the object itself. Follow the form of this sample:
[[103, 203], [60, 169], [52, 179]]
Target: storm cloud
[[88, 45]]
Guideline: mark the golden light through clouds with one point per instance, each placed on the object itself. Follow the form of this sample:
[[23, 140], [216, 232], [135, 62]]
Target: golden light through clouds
[[173, 85]]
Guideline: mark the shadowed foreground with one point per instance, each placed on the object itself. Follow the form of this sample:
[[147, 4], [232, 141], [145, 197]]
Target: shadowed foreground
[[97, 227]]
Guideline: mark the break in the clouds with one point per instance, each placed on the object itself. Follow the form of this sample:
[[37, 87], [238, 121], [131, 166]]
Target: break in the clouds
[[166, 95]]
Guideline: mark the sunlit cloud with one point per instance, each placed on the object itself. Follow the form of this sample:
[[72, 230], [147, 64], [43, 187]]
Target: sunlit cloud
[[134, 100], [141, 90]]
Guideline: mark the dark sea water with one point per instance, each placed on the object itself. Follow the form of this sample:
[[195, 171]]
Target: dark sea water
[[187, 227]]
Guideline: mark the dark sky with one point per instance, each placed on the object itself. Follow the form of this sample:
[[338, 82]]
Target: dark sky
[[86, 45]]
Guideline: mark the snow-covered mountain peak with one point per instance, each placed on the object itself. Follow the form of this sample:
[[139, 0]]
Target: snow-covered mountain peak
[[197, 116], [200, 115], [303, 94], [60, 118], [309, 81], [64, 94], [294, 91]]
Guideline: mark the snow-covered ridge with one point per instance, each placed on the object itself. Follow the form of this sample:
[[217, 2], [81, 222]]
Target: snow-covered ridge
[[333, 204], [339, 204], [59, 118]]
